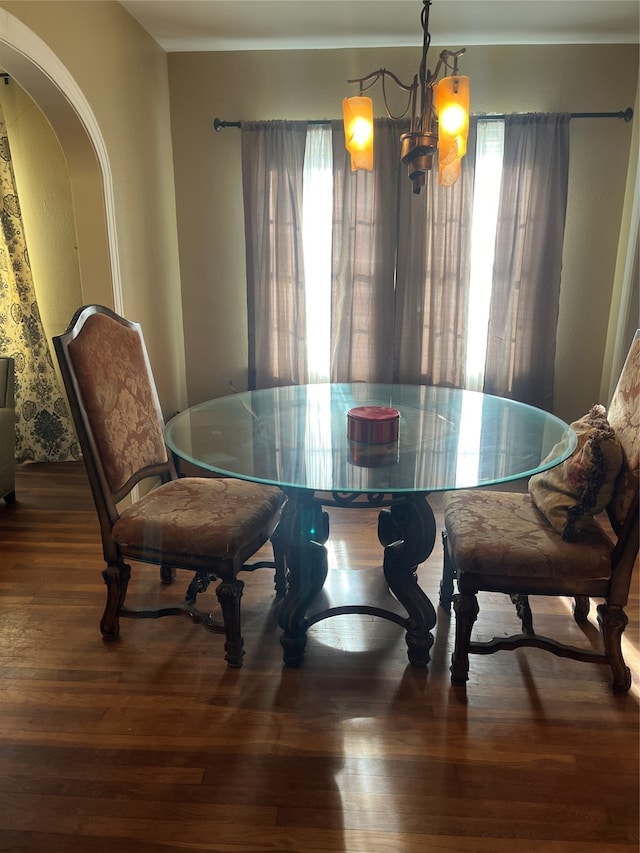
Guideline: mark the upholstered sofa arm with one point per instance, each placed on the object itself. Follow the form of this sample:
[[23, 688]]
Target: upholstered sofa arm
[[7, 430], [6, 383]]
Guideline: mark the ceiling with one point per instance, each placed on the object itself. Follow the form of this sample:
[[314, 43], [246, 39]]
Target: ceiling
[[211, 25]]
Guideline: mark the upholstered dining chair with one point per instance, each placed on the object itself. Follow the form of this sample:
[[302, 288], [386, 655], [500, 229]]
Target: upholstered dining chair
[[208, 526], [548, 542]]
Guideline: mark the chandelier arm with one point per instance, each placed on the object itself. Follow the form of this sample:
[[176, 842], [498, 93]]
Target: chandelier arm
[[374, 76], [444, 60], [436, 70], [381, 72], [410, 89], [398, 82]]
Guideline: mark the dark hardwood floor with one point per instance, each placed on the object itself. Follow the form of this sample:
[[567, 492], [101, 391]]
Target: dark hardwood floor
[[152, 744]]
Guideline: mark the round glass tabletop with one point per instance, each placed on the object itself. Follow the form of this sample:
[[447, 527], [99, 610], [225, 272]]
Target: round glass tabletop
[[297, 437]]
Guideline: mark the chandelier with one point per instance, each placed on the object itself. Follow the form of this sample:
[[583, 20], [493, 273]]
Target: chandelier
[[439, 116]]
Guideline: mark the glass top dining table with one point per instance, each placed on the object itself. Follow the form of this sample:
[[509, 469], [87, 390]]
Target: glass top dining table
[[297, 437]]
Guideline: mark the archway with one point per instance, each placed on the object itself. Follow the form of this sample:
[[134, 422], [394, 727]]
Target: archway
[[27, 59]]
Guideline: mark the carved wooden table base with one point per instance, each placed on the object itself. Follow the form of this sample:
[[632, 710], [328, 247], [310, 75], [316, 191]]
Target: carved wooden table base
[[406, 529]]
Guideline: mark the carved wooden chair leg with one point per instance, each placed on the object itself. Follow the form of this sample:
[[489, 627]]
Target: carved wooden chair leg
[[466, 610], [116, 578], [523, 611], [199, 583], [229, 594], [448, 576], [581, 607], [613, 620], [167, 575]]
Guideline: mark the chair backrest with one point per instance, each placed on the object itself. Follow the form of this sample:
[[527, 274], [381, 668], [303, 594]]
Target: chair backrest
[[114, 404], [624, 417], [7, 400]]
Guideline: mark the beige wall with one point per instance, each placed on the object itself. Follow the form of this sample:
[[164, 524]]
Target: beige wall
[[194, 304], [311, 84], [122, 74], [626, 288]]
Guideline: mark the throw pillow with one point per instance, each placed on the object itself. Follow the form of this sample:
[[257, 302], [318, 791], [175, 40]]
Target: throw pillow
[[570, 494]]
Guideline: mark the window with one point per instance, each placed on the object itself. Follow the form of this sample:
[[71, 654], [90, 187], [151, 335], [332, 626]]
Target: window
[[486, 195], [353, 278], [317, 237], [317, 211]]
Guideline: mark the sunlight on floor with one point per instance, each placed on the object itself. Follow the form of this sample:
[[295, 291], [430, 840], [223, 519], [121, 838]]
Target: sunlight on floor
[[630, 645]]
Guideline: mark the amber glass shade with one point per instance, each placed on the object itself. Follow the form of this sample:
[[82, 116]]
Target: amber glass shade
[[358, 131], [453, 118], [448, 173]]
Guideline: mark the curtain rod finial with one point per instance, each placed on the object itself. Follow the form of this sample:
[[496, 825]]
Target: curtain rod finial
[[219, 124]]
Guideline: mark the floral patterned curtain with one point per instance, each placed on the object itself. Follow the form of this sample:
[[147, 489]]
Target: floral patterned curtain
[[44, 432]]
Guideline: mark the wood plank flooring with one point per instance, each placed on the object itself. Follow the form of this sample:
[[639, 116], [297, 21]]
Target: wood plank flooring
[[153, 744]]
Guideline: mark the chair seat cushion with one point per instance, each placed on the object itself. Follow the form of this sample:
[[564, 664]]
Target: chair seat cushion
[[198, 516], [503, 533]]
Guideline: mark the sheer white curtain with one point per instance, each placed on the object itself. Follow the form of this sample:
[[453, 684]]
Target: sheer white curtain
[[486, 195], [365, 215], [433, 270], [317, 209]]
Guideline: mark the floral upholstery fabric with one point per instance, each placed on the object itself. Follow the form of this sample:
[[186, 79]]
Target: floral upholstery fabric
[[580, 487], [503, 533], [624, 417], [198, 516], [111, 364]]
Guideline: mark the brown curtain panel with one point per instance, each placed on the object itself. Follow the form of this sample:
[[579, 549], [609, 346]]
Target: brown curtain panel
[[526, 288], [272, 166]]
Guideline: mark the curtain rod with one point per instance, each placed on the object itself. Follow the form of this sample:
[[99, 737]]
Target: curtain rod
[[627, 115]]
